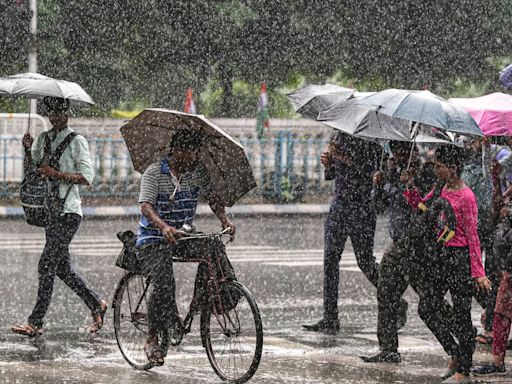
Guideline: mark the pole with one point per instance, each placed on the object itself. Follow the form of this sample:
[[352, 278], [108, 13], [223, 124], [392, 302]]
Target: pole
[[32, 55]]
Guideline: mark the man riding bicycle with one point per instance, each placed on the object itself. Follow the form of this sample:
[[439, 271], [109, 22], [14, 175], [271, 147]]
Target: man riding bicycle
[[169, 193]]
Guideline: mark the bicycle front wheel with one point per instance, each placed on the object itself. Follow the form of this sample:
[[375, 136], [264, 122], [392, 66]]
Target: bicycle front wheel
[[131, 319], [233, 333]]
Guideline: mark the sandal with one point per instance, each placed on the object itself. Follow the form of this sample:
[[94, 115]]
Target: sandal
[[154, 353], [484, 339], [27, 330], [97, 317]]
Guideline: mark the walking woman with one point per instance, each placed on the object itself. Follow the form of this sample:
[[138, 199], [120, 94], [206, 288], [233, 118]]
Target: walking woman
[[72, 168], [456, 268]]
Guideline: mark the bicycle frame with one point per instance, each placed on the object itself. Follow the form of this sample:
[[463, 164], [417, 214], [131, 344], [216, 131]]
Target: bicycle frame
[[213, 285]]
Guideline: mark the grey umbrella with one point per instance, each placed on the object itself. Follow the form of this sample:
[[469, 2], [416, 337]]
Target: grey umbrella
[[35, 85], [422, 107], [312, 99], [148, 135], [351, 118]]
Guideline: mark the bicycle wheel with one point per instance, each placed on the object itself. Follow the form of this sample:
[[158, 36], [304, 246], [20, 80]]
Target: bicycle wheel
[[131, 320], [233, 333]]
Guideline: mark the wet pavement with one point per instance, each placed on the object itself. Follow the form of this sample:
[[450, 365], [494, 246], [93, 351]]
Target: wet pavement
[[280, 260]]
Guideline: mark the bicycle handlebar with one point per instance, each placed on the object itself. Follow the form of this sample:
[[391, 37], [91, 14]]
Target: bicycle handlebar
[[199, 235]]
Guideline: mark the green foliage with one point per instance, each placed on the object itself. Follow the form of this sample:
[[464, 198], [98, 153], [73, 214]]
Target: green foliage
[[150, 52]]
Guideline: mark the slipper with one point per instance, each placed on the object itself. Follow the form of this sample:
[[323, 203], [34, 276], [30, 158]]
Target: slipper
[[27, 330], [154, 353], [98, 316], [484, 339]]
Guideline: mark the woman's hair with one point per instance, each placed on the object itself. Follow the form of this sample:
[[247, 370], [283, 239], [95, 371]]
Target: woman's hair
[[452, 156]]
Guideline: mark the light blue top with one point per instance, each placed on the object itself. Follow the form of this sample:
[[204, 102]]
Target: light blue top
[[75, 159]]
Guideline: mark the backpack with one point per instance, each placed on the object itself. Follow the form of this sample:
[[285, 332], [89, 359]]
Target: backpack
[[434, 223], [40, 197]]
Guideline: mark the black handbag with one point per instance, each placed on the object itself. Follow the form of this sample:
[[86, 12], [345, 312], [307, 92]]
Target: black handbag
[[127, 258]]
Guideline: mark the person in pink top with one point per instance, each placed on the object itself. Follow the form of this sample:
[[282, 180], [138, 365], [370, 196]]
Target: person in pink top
[[456, 268]]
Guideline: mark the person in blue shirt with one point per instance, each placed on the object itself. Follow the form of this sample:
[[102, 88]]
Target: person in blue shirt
[[169, 193]]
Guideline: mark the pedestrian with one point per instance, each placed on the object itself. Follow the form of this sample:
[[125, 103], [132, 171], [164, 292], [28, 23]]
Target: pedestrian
[[74, 169], [477, 176], [457, 267], [503, 311], [399, 266], [351, 162]]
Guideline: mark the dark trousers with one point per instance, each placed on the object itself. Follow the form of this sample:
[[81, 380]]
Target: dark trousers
[[450, 270], [55, 260], [356, 221], [487, 300], [400, 266], [156, 261]]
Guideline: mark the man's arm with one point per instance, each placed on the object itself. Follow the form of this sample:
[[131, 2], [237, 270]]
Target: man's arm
[[72, 178], [169, 233], [220, 211]]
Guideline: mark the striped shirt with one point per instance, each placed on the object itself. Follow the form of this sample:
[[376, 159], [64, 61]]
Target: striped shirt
[[158, 186]]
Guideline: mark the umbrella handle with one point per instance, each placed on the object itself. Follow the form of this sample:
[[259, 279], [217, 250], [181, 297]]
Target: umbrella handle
[[382, 159], [416, 127], [29, 110]]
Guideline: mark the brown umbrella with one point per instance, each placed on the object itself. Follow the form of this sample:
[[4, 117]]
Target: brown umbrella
[[148, 135]]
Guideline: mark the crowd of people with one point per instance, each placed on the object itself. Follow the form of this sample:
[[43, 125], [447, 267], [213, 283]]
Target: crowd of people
[[448, 212]]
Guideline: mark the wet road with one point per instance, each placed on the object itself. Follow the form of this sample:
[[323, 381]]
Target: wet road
[[280, 260]]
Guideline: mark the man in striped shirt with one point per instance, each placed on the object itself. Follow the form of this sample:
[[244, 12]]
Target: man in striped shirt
[[169, 193]]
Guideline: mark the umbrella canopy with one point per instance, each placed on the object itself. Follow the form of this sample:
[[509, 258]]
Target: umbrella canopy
[[493, 112], [312, 99], [365, 123], [422, 107], [35, 85], [148, 135], [506, 77]]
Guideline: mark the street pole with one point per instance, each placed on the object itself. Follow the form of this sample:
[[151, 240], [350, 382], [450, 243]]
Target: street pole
[[32, 54]]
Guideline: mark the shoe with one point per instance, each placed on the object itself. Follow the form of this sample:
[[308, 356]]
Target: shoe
[[330, 327], [489, 369], [453, 380], [484, 339], [402, 315], [154, 353], [27, 330], [98, 316], [448, 373], [383, 357]]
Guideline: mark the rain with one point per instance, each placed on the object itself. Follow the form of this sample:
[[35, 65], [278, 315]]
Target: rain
[[255, 191]]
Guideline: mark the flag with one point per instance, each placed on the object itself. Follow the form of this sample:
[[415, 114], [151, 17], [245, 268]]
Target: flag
[[262, 121], [190, 107]]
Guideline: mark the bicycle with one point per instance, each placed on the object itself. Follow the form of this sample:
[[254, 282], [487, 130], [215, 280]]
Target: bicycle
[[230, 326]]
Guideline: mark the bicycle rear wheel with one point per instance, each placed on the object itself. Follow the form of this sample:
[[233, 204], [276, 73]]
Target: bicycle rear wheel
[[233, 333], [131, 320]]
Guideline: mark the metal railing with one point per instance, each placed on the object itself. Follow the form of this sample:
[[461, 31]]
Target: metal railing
[[286, 167]]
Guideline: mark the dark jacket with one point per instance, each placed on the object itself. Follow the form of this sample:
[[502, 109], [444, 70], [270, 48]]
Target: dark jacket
[[390, 196]]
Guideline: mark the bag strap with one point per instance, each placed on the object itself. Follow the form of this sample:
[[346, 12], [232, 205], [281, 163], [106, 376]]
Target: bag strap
[[55, 156], [437, 190]]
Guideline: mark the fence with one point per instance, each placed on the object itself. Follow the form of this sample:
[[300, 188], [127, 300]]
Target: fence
[[286, 167]]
